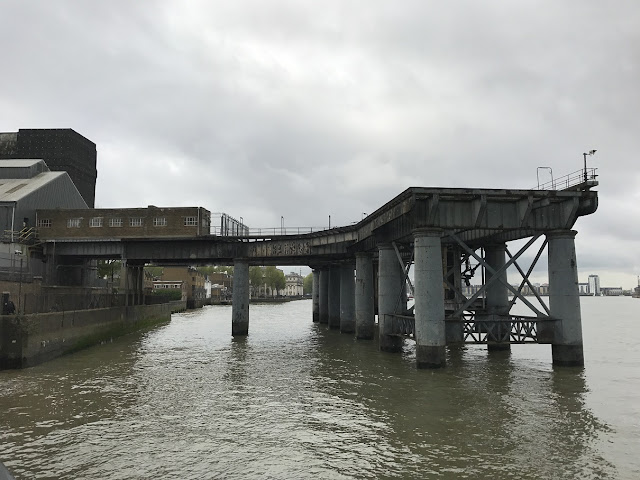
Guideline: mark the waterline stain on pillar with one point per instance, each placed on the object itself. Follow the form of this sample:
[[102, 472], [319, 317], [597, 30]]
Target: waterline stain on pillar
[[429, 300], [364, 297], [564, 299], [334, 296], [240, 299], [347, 299]]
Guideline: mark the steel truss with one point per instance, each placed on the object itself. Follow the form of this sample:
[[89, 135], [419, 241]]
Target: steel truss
[[478, 328]]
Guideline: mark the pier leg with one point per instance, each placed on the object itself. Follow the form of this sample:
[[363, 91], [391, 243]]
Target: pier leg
[[453, 330], [429, 298], [323, 296], [347, 299], [315, 296], [390, 280], [364, 297], [498, 295], [240, 299], [564, 299], [334, 296]]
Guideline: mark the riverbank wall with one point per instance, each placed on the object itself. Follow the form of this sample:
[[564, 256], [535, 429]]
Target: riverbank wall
[[27, 340]]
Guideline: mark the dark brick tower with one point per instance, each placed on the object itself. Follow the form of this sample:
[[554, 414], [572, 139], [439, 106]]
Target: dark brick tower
[[63, 149]]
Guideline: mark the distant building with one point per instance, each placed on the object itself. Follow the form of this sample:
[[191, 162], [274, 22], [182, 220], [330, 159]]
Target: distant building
[[583, 288], [594, 285], [62, 149], [611, 291], [294, 286], [193, 280], [159, 285]]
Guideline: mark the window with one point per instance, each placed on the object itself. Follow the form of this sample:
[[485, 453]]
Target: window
[[135, 222], [44, 223], [115, 222], [190, 221], [160, 222], [95, 222], [73, 223]]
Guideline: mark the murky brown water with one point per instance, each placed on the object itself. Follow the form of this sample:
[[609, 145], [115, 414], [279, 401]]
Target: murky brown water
[[294, 400]]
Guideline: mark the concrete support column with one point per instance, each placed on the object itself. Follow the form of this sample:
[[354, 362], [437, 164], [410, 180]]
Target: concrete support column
[[240, 299], [364, 297], [390, 286], [323, 296], [429, 298], [497, 294], [347, 299], [315, 296], [334, 296], [564, 299]]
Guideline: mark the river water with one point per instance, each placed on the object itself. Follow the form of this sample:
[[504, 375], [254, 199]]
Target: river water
[[295, 400]]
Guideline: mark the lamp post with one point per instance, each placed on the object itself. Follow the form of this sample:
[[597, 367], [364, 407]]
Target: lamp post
[[584, 155], [281, 225], [538, 176], [329, 222]]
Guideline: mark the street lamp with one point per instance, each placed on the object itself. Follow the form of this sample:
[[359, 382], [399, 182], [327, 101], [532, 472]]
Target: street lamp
[[281, 225], [591, 152], [538, 176], [329, 222]]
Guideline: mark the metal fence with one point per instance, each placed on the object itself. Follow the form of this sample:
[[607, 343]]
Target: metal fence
[[572, 179]]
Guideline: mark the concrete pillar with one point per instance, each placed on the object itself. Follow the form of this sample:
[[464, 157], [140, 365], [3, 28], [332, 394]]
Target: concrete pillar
[[390, 286], [564, 299], [364, 297], [497, 294], [334, 296], [347, 299], [323, 296], [429, 298], [240, 299], [315, 296]]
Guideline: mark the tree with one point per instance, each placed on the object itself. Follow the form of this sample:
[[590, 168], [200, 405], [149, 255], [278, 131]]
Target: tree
[[307, 285], [108, 268], [256, 278], [274, 279]]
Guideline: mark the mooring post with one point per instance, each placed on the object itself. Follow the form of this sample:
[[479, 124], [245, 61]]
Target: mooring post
[[347, 299], [334, 296], [497, 295], [240, 298], [390, 287], [429, 299], [564, 299], [323, 295], [315, 293], [364, 296]]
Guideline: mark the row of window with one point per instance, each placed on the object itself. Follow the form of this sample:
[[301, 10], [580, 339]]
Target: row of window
[[117, 222]]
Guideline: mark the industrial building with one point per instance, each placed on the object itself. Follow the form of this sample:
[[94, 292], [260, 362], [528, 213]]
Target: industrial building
[[62, 149], [28, 185]]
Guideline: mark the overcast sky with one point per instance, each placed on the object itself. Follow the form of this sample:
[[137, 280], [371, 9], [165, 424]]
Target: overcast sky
[[305, 109]]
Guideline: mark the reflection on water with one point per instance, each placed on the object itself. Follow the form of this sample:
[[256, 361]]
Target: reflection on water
[[295, 400]]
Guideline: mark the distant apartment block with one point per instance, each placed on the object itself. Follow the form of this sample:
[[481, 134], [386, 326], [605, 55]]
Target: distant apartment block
[[594, 285]]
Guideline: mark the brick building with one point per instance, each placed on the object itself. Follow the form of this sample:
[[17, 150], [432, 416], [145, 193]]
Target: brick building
[[193, 282], [122, 222]]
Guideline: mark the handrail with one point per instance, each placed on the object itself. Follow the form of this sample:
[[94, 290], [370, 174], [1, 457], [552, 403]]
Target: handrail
[[579, 177]]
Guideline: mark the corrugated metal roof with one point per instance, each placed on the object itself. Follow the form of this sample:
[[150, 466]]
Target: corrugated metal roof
[[19, 162], [14, 189]]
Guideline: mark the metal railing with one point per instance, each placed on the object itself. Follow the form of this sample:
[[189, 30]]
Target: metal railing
[[267, 231], [572, 179]]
